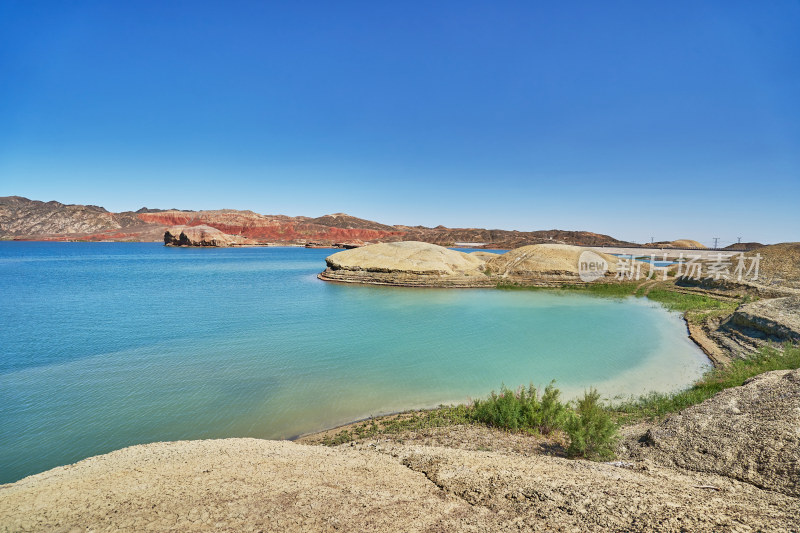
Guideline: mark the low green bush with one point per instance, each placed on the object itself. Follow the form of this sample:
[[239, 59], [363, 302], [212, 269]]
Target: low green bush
[[591, 430], [552, 413], [522, 410], [509, 409]]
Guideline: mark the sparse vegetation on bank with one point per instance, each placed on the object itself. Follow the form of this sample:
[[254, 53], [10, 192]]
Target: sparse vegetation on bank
[[444, 415], [615, 290], [589, 424], [660, 292], [697, 308], [586, 423], [655, 405], [680, 301]]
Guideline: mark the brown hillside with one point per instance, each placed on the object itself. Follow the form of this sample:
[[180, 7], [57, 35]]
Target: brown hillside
[[779, 264], [21, 218]]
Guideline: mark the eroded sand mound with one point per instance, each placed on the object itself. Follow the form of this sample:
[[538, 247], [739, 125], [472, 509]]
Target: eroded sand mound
[[544, 262], [421, 264], [406, 263], [687, 243], [750, 433], [485, 256]]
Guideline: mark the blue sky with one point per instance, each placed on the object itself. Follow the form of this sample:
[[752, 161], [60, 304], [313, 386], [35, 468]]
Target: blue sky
[[635, 119]]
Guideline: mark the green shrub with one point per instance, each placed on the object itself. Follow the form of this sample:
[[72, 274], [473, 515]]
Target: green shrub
[[522, 410], [552, 413], [509, 409], [591, 429]]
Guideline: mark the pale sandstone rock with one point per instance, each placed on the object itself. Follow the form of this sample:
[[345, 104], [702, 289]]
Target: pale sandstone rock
[[422, 264], [406, 263], [201, 236], [750, 433], [775, 319], [250, 484], [407, 257]]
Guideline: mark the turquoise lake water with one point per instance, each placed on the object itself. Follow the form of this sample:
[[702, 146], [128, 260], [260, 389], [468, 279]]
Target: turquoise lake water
[[106, 345]]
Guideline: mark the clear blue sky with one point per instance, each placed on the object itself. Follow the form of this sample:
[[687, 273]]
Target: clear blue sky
[[636, 119]]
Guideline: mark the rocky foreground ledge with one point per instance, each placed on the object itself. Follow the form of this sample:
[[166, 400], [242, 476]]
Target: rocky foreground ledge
[[731, 463]]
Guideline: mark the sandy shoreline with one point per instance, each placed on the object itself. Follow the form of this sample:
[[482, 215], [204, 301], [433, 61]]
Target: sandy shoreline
[[693, 333]]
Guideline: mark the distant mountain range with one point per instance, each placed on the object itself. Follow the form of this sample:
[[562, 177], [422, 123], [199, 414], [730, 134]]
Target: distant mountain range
[[24, 219]]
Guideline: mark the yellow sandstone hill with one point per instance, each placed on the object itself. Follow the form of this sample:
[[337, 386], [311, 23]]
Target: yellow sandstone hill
[[406, 263], [686, 243], [545, 263], [428, 265]]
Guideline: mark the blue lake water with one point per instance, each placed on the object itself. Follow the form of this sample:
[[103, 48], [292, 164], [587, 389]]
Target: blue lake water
[[106, 345]]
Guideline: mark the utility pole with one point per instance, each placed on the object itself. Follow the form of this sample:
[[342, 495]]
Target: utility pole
[[716, 240]]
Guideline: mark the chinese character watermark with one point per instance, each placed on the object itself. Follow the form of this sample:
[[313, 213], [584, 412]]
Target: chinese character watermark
[[719, 267], [739, 267]]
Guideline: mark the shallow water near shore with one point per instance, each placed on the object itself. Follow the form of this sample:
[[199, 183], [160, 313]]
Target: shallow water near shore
[[106, 345]]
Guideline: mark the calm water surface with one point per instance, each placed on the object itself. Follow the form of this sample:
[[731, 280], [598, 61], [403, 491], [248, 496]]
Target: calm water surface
[[105, 345]]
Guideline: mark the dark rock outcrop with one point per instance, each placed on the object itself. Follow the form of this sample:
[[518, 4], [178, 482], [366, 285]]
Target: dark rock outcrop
[[506, 239]]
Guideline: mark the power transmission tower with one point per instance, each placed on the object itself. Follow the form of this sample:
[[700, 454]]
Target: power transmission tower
[[716, 241], [739, 241]]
